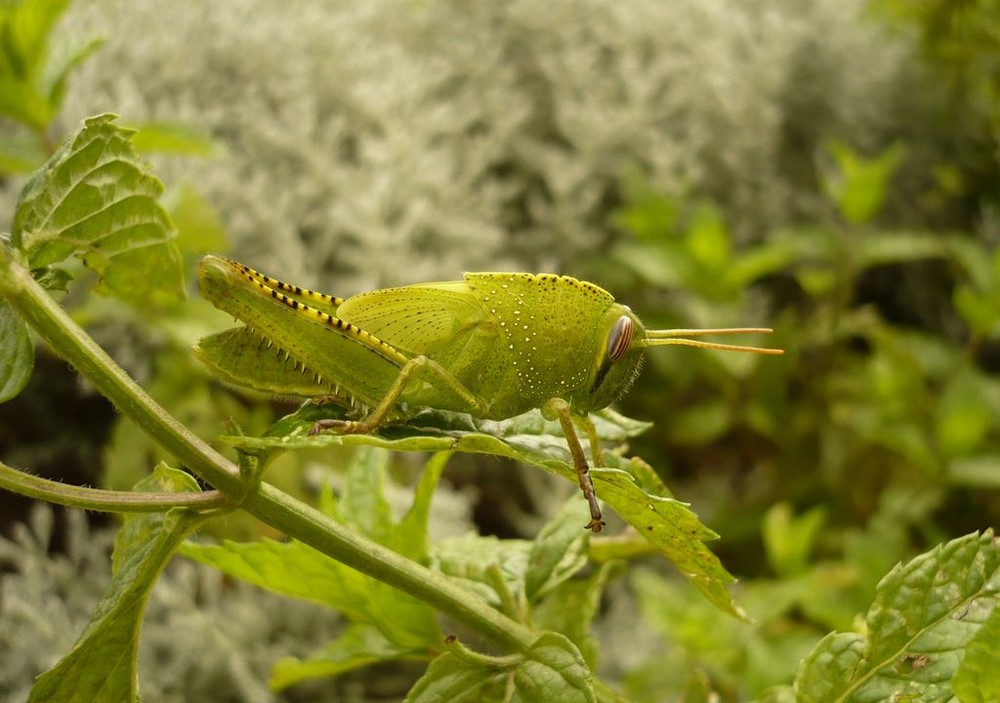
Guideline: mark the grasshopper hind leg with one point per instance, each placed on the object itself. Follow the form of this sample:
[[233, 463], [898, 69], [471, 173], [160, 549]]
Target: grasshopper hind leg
[[419, 366]]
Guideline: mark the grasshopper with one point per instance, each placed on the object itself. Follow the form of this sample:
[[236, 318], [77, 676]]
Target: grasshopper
[[493, 345]]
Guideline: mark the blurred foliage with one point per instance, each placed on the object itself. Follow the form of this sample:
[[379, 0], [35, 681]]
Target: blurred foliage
[[875, 440], [410, 141], [827, 169]]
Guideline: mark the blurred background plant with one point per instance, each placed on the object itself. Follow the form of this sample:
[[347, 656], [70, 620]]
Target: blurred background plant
[[828, 169]]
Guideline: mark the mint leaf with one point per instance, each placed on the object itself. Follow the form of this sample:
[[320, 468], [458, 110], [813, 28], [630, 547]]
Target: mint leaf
[[101, 667], [297, 570], [551, 670], [289, 568], [925, 613], [572, 606], [978, 677], [468, 559], [359, 646], [96, 200], [411, 536], [17, 353], [26, 93], [559, 551]]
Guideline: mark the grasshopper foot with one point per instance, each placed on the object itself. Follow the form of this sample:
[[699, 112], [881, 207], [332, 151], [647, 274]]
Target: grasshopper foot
[[340, 426], [596, 523]]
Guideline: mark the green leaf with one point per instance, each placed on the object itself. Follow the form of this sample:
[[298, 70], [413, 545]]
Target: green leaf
[[101, 667], [668, 524], [96, 200], [363, 504], [708, 240], [172, 138], [467, 560], [558, 552], [199, 226], [821, 676], [572, 606], [138, 529], [20, 153], [297, 570], [289, 568], [778, 694], [551, 670], [898, 247], [24, 52], [768, 257], [59, 67], [22, 102], [25, 34], [649, 213], [360, 645], [924, 615], [963, 413], [17, 353], [532, 430], [789, 540], [411, 536], [978, 677], [978, 471], [858, 185]]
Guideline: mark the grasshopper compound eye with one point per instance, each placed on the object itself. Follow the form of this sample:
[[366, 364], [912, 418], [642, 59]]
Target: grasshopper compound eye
[[621, 338]]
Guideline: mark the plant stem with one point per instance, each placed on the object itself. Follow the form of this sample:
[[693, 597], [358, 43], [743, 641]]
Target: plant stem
[[103, 500], [265, 502]]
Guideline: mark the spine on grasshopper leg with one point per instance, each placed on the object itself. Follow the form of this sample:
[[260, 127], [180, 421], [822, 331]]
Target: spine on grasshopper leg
[[318, 301], [241, 357]]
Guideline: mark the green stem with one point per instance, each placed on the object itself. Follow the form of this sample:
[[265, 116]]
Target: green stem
[[629, 545], [267, 503], [105, 501]]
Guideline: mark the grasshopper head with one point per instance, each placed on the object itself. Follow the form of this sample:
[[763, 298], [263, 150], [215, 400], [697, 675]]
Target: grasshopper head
[[624, 342], [617, 359]]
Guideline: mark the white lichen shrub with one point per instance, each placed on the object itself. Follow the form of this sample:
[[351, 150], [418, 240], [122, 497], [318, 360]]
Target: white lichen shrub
[[400, 141], [204, 637]]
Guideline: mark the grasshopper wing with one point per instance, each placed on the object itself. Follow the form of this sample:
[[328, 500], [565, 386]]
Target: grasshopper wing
[[428, 318]]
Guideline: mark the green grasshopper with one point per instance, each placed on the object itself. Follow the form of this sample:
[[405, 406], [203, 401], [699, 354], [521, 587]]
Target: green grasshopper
[[493, 345]]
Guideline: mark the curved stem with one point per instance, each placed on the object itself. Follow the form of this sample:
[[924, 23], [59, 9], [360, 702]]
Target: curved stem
[[103, 500], [264, 501]]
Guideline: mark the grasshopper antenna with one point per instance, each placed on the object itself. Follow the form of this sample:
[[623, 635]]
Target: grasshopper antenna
[[657, 338]]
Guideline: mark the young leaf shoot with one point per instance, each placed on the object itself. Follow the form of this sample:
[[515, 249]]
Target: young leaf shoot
[[493, 345]]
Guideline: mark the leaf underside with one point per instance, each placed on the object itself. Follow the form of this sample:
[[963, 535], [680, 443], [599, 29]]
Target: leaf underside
[[97, 200]]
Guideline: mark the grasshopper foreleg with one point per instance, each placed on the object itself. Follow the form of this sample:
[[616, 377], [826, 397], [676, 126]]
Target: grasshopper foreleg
[[587, 425], [562, 411]]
